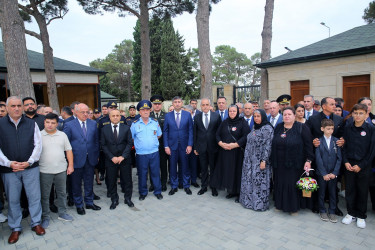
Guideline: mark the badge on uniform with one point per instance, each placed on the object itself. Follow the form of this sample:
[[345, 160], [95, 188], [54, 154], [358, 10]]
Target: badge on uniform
[[234, 129], [154, 132], [363, 133], [283, 135]]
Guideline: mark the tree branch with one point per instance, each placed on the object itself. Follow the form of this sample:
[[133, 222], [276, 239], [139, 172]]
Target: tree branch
[[124, 6], [34, 34], [26, 9], [60, 16]]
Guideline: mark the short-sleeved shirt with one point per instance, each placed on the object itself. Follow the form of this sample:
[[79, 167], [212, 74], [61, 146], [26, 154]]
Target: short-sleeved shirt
[[146, 136], [52, 160]]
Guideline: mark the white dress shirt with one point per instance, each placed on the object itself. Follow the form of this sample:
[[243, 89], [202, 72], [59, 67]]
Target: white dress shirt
[[117, 128], [328, 140], [204, 117], [275, 121]]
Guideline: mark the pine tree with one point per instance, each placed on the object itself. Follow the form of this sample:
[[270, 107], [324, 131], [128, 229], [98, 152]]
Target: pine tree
[[171, 73], [137, 62], [156, 29]]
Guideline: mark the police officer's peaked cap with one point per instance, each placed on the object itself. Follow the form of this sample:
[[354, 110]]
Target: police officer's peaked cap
[[131, 107], [144, 104], [284, 99], [96, 111], [112, 104], [157, 99]]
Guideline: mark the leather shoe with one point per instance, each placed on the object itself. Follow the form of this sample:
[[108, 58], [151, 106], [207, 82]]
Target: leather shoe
[[180, 186], [129, 202], [163, 188], [101, 177], [142, 197], [187, 191], [93, 207], [113, 205], [53, 208], [195, 185], [159, 196], [338, 212], [202, 191], [173, 191], [39, 230], [151, 189], [214, 192], [96, 198], [81, 211], [13, 238], [230, 196]]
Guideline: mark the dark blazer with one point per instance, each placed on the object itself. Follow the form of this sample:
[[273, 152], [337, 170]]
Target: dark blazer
[[225, 114], [113, 148], [314, 124], [205, 140], [328, 160], [251, 122], [83, 147], [280, 120], [172, 135]]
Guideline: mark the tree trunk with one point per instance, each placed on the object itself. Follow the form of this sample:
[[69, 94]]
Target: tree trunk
[[145, 50], [266, 46], [13, 34], [48, 63], [205, 59]]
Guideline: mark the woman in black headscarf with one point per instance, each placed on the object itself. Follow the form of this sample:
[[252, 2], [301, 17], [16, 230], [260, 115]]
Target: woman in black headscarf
[[256, 170], [231, 137]]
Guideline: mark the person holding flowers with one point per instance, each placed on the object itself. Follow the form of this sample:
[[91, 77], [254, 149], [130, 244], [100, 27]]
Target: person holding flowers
[[292, 153], [328, 162]]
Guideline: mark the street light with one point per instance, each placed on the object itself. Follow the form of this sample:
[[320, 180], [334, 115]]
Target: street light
[[329, 29], [289, 50]]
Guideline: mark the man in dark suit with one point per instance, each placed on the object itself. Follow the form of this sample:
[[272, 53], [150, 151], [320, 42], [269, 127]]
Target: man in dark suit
[[275, 117], [205, 125], [178, 142], [116, 142], [193, 103], [222, 107], [308, 102], [314, 123], [248, 114], [84, 138]]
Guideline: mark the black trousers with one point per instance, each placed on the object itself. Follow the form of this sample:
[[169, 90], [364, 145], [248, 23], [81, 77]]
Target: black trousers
[[207, 163], [125, 179], [356, 192], [163, 166], [329, 186]]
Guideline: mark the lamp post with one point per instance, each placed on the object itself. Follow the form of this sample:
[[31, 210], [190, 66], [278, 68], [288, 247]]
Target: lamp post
[[329, 29]]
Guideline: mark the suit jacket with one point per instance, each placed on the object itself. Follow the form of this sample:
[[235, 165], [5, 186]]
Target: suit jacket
[[280, 120], [251, 122], [314, 112], [172, 135], [205, 139], [83, 146], [314, 124], [225, 114], [328, 160], [114, 148]]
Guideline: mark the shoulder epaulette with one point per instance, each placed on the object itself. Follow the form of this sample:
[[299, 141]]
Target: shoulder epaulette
[[136, 120], [106, 123]]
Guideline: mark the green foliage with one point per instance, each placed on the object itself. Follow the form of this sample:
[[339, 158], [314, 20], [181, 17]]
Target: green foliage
[[369, 13], [156, 30], [137, 62], [48, 8], [118, 64]]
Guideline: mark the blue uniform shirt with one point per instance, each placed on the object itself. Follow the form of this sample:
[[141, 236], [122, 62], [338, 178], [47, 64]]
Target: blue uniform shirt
[[146, 136]]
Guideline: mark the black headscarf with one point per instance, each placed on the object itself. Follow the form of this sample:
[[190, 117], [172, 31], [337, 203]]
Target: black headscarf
[[237, 118], [264, 119]]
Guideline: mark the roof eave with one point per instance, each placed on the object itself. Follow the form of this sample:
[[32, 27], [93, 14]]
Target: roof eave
[[332, 55]]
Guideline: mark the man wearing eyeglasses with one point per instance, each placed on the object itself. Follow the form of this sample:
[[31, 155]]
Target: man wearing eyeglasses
[[84, 138], [29, 107]]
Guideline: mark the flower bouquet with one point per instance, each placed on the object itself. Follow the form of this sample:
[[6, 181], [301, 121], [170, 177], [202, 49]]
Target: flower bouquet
[[307, 185]]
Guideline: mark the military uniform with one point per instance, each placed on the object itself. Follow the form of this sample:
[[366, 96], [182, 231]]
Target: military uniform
[[162, 154]]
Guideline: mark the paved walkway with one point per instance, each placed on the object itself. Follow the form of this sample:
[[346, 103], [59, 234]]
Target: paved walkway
[[191, 222]]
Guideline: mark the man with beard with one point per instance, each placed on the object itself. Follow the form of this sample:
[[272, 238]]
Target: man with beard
[[29, 107]]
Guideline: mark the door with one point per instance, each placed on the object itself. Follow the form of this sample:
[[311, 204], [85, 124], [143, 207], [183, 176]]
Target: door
[[298, 89], [355, 87]]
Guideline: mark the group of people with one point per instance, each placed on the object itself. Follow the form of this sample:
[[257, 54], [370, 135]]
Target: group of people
[[242, 149]]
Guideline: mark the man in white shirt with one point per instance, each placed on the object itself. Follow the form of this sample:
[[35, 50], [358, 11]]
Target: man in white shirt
[[248, 114], [308, 102], [275, 117]]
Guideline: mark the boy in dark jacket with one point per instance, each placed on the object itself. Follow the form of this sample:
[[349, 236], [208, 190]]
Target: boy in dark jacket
[[328, 161]]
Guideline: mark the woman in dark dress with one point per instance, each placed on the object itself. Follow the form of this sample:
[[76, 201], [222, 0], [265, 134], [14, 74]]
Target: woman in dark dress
[[256, 170], [292, 153], [231, 137]]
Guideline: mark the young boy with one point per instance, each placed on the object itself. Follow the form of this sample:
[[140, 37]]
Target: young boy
[[328, 161], [358, 152]]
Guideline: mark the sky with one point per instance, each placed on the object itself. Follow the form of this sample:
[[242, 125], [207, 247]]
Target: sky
[[82, 38]]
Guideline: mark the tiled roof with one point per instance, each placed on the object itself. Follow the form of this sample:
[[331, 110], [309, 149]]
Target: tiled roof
[[357, 41]]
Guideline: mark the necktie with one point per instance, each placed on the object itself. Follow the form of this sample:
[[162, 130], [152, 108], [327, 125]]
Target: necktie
[[115, 132], [273, 121], [157, 115], [178, 120], [248, 121], [222, 115], [84, 129], [308, 115], [206, 121]]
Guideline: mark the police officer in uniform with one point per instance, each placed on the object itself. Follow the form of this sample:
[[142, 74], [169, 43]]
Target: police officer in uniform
[[146, 132], [284, 101], [158, 113], [129, 121]]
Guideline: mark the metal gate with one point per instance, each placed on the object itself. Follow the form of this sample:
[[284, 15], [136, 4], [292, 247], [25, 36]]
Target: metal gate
[[245, 94]]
